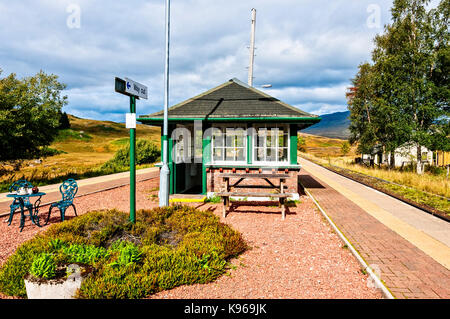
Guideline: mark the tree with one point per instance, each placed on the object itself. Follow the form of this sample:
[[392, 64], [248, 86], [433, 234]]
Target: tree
[[415, 44], [402, 97], [301, 144], [360, 104], [29, 114], [64, 122], [345, 148]]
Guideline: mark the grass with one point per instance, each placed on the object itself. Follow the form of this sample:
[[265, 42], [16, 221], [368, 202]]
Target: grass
[[165, 248], [84, 148], [324, 146]]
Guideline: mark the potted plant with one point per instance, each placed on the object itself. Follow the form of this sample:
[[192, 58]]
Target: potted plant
[[48, 280]]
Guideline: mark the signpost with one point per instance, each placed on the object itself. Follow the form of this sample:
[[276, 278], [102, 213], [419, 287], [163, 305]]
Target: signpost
[[135, 91]]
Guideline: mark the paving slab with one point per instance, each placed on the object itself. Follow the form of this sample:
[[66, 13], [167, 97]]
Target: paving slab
[[412, 261]]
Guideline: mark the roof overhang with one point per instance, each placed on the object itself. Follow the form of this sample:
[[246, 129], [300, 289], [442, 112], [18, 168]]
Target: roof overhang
[[158, 121]]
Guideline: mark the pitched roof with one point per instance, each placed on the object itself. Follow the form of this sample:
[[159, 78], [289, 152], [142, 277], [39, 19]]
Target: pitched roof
[[232, 99]]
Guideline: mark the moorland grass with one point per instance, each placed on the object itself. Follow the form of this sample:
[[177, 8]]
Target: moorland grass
[[430, 188], [165, 248], [79, 152]]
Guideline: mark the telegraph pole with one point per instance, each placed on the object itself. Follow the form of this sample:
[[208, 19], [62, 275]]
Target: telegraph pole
[[252, 48], [165, 172]]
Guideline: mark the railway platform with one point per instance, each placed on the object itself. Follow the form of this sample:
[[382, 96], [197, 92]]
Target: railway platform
[[408, 249]]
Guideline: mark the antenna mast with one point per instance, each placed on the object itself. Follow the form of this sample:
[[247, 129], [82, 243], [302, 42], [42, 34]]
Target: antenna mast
[[252, 48]]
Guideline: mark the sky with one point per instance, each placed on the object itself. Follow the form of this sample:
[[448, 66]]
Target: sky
[[308, 50]]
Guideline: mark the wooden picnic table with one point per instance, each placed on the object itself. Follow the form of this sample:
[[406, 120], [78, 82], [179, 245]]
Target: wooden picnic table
[[227, 191]]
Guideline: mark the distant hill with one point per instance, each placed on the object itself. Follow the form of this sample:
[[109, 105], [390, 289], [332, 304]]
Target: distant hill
[[333, 125]]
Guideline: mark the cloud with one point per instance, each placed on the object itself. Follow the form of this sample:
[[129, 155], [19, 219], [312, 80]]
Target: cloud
[[308, 50]]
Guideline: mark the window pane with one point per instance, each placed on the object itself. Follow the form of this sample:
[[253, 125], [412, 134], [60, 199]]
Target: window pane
[[270, 142], [240, 154], [283, 154], [240, 138], [282, 139], [271, 155], [229, 154], [261, 137], [217, 137], [218, 141], [259, 154], [218, 154], [229, 137], [271, 137]]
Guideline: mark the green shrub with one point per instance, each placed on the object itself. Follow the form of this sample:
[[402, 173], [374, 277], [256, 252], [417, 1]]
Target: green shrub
[[128, 253], [146, 153], [85, 254], [44, 266], [165, 248], [69, 134], [214, 199], [48, 151]]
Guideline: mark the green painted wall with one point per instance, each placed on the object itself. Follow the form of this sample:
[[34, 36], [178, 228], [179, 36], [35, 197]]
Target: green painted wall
[[249, 146], [293, 144], [170, 163], [206, 145]]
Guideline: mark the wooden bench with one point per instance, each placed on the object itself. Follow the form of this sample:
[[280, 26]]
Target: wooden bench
[[226, 193]]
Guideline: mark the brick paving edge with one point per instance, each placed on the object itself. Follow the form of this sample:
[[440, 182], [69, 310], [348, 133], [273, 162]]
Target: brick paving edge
[[379, 284], [426, 208]]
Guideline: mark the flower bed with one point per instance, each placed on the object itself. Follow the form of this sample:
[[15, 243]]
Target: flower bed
[[164, 249]]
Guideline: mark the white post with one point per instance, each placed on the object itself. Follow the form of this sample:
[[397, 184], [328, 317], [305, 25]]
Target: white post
[[252, 48], [165, 172]]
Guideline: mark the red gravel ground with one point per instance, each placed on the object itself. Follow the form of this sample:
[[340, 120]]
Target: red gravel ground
[[300, 257]]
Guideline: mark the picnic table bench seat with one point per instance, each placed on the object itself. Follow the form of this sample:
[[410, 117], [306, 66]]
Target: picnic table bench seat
[[226, 199], [235, 194], [227, 193]]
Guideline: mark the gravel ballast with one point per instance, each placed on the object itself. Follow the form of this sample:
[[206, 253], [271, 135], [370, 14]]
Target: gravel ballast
[[300, 257]]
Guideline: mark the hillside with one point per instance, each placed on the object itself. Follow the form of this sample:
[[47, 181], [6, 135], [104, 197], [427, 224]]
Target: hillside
[[324, 147], [333, 125], [80, 151]]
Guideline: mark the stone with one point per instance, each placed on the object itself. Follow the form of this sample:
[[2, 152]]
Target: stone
[[55, 288]]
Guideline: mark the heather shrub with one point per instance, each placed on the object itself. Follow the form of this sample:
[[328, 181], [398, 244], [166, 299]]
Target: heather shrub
[[165, 248], [146, 153]]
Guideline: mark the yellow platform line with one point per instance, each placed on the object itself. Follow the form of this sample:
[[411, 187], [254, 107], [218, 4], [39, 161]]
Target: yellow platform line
[[187, 200], [432, 247]]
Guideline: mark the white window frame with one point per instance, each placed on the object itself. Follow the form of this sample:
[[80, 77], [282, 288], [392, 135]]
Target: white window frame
[[223, 128], [286, 129]]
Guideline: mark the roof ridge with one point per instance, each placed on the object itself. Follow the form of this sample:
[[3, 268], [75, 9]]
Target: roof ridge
[[237, 81], [244, 86], [193, 98]]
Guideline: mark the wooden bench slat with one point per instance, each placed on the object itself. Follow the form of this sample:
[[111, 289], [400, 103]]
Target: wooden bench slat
[[254, 175], [227, 194]]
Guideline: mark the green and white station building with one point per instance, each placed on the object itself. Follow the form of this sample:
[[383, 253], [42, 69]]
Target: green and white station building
[[230, 128]]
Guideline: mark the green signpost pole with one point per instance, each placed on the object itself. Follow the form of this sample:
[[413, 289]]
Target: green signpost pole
[[135, 91], [133, 164]]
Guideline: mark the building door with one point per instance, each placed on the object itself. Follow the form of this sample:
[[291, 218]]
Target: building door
[[188, 172]]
